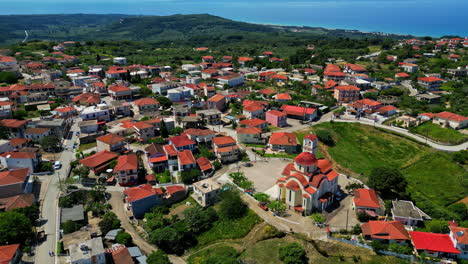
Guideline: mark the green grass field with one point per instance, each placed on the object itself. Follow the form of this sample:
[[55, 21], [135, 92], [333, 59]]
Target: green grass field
[[229, 229], [438, 133], [434, 179]]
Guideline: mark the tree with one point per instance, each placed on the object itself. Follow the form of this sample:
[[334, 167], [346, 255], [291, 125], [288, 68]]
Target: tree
[[50, 143], [352, 186], [109, 222], [377, 245], [400, 249], [81, 171], [190, 176], [199, 221], [14, 228], [277, 207], [232, 206], [176, 131], [164, 101], [20, 114], [262, 197], [437, 226], [318, 218], [70, 227], [168, 239], [389, 182], [460, 209], [325, 136], [163, 130], [124, 238], [158, 257], [8, 77], [205, 152], [292, 253]]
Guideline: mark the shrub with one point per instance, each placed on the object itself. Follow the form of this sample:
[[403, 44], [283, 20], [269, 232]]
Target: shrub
[[363, 217], [70, 227], [158, 257], [109, 222], [400, 249], [377, 246], [124, 238], [232, 206], [262, 197], [325, 137], [318, 218], [277, 207], [292, 253]]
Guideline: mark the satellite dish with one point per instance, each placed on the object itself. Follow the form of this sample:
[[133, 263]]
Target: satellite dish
[[109, 170]]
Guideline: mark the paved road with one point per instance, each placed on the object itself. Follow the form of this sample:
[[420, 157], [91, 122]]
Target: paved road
[[49, 203], [407, 85]]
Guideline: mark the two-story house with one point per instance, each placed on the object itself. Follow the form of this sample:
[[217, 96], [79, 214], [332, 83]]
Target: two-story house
[[147, 105], [459, 236], [250, 135], [218, 101], [226, 149], [276, 118], [126, 170]]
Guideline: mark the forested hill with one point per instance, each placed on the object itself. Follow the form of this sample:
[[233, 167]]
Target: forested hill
[[194, 29]]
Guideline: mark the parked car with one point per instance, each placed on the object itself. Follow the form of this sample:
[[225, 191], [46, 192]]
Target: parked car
[[57, 165], [263, 206]]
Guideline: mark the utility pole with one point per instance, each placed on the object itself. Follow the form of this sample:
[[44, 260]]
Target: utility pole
[[347, 214]]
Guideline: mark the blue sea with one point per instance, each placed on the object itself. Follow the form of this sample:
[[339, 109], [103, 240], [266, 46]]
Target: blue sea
[[417, 17]]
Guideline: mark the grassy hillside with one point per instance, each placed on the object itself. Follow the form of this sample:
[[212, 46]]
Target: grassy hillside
[[434, 179], [195, 29]]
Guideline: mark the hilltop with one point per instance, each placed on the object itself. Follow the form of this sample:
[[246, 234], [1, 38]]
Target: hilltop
[[197, 28]]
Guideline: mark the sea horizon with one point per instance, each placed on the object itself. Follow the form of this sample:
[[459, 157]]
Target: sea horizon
[[416, 17]]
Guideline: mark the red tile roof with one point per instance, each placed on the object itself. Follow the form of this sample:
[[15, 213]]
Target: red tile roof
[[118, 88], [142, 125], [171, 189], [283, 96], [110, 139], [311, 137], [199, 132], [297, 110], [279, 77], [433, 242], [224, 140], [13, 176], [139, 192], [267, 91], [19, 141], [36, 131], [7, 253], [283, 138], [255, 122], [204, 163], [386, 108], [451, 116], [347, 88], [120, 254], [276, 113], [146, 101], [253, 107], [293, 185], [13, 123], [430, 79], [17, 201], [99, 158], [356, 67], [306, 159], [460, 234], [170, 150], [248, 130], [181, 141], [65, 109], [402, 75], [391, 230], [244, 59], [366, 198], [126, 162], [185, 157], [18, 155], [216, 98], [87, 98]]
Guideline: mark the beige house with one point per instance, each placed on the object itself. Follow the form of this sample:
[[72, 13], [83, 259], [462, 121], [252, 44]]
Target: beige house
[[206, 192], [110, 142], [250, 135]]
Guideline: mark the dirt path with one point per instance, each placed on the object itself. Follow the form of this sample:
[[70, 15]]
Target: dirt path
[[147, 248]]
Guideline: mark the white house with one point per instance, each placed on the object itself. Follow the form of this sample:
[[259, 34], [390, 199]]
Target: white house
[[87, 252], [232, 80], [100, 112]]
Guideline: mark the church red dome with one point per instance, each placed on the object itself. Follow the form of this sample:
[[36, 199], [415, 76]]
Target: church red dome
[[306, 159]]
